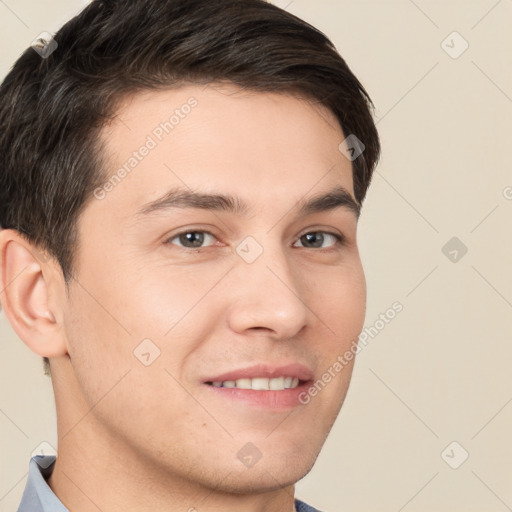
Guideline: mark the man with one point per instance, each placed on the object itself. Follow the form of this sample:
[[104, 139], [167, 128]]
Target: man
[[180, 187]]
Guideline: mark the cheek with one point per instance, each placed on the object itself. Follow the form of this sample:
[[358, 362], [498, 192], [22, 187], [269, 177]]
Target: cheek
[[99, 347], [132, 400], [341, 307], [341, 303], [162, 298], [354, 301]]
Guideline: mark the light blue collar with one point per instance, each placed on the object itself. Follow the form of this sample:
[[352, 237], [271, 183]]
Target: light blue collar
[[38, 496]]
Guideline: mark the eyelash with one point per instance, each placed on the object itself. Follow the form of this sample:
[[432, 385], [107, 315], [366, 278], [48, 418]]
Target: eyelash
[[340, 239]]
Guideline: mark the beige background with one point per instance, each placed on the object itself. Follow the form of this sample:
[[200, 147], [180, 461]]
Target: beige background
[[440, 371]]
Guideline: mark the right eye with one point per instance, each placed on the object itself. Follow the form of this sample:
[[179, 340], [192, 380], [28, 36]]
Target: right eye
[[190, 239]]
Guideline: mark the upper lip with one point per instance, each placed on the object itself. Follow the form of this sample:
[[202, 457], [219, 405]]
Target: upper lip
[[294, 370]]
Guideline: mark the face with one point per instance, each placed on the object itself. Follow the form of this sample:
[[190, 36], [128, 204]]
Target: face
[[175, 294]]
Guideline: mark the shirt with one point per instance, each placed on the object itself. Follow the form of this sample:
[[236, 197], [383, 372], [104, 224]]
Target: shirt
[[38, 496]]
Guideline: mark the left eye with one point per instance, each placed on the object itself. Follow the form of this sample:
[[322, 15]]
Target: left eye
[[316, 240], [195, 239]]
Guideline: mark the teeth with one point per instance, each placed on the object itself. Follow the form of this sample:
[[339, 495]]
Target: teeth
[[243, 383], [276, 384], [260, 383]]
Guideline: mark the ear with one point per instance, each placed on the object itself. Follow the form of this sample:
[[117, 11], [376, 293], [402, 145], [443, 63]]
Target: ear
[[31, 293]]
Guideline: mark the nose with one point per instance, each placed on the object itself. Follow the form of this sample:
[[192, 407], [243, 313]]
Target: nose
[[268, 295]]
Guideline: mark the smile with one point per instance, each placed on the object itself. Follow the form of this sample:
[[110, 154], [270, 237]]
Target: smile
[[259, 383]]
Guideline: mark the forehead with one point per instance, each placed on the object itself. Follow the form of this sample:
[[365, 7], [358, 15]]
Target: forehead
[[260, 146]]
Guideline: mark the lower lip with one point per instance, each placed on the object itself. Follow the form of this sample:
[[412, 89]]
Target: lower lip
[[282, 399]]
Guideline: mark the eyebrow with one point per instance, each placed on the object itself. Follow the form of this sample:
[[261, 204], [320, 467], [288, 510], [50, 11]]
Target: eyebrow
[[338, 197]]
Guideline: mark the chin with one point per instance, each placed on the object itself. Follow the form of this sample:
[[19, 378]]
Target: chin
[[263, 479]]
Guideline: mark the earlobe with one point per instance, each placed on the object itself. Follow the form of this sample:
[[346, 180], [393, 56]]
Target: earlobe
[[25, 296]]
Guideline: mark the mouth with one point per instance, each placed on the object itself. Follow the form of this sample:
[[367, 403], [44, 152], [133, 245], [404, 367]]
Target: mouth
[[263, 386], [259, 383]]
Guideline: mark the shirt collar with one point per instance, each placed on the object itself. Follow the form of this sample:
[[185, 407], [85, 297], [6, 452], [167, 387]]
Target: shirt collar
[[38, 496]]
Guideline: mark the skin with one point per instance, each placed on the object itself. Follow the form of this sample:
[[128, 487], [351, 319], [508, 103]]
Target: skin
[[138, 438]]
